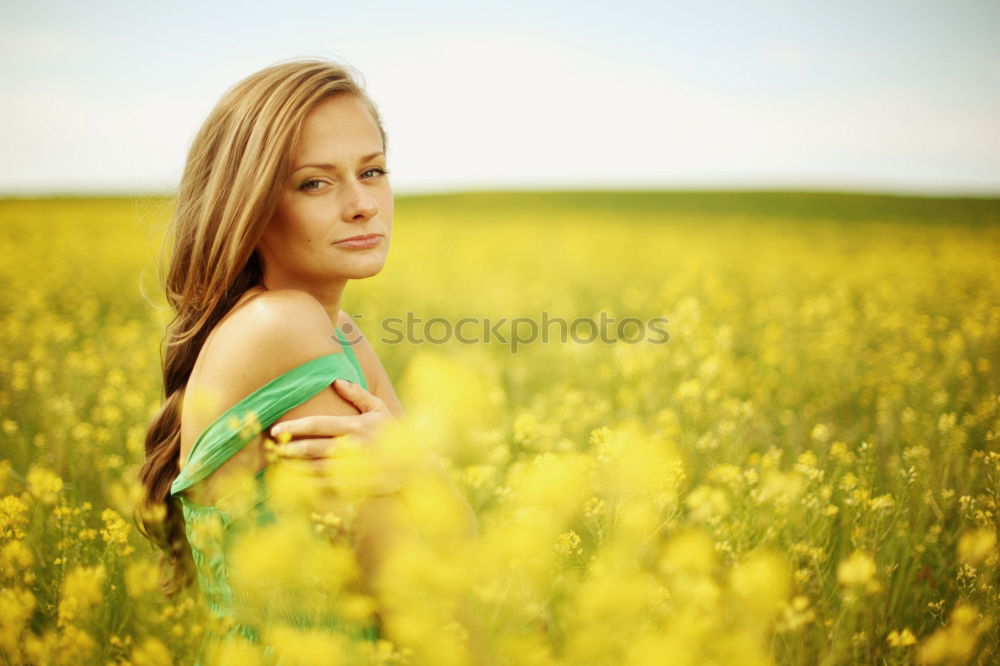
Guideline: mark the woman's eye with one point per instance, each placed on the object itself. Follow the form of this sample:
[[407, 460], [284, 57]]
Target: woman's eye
[[378, 171], [311, 184]]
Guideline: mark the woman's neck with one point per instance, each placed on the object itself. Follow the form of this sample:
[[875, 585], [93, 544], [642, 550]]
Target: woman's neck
[[327, 294]]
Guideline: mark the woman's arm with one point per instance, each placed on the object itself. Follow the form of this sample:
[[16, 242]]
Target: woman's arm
[[392, 469], [381, 386], [378, 379], [381, 522]]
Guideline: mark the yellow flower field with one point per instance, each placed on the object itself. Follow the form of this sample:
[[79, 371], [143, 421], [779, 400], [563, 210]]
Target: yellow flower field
[[806, 470]]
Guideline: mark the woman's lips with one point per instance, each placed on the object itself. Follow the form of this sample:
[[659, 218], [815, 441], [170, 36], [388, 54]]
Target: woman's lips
[[360, 242]]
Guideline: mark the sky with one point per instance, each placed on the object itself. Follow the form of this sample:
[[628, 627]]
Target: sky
[[873, 95]]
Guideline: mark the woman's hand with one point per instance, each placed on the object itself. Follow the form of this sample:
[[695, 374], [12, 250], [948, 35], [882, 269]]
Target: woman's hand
[[312, 435], [342, 452]]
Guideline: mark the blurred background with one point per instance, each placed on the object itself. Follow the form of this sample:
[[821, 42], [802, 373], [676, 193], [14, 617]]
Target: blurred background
[[894, 95]]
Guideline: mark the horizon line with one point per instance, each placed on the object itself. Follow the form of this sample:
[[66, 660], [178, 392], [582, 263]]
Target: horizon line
[[706, 189]]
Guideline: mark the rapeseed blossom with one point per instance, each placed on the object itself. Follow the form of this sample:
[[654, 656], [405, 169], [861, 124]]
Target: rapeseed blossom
[[805, 472]]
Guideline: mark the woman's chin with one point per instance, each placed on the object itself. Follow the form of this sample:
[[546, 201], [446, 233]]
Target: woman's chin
[[361, 275], [363, 270]]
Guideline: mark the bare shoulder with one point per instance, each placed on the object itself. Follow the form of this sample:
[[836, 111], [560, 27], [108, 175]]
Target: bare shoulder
[[274, 332], [285, 317], [257, 341]]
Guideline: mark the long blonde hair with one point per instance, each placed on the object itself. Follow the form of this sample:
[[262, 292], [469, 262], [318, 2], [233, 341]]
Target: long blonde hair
[[232, 180]]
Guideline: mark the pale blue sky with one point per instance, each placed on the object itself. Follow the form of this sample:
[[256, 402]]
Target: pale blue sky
[[876, 95]]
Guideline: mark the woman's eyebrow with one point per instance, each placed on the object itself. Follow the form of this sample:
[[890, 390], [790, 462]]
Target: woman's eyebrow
[[331, 167]]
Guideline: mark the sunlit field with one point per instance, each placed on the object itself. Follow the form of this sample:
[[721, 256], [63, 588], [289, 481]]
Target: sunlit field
[[804, 470]]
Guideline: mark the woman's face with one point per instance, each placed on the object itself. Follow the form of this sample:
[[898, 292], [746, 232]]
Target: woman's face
[[337, 189]]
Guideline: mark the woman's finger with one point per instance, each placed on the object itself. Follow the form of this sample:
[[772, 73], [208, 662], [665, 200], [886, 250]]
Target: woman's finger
[[358, 396], [308, 448], [316, 425]]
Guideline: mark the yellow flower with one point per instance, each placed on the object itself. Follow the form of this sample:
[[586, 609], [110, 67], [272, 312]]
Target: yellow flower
[[16, 608], [595, 507], [569, 544], [904, 638], [956, 642], [726, 474], [858, 571], [12, 517], [116, 531], [82, 592], [977, 545], [525, 429], [707, 503], [44, 484], [840, 452], [74, 646], [881, 502], [762, 582], [820, 433], [478, 476], [781, 488], [306, 647], [807, 459], [151, 652], [357, 607], [141, 577], [249, 425], [271, 564], [236, 651], [689, 552], [15, 557], [796, 614]]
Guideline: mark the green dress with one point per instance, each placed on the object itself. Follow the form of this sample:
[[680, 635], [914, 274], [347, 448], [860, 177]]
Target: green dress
[[211, 528]]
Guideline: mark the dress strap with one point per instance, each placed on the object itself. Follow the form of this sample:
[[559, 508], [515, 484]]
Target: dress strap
[[349, 350], [242, 422]]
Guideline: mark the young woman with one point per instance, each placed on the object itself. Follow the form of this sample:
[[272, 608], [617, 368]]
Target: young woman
[[285, 197]]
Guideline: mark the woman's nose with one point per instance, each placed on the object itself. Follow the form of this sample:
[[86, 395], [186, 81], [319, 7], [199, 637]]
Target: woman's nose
[[360, 204]]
